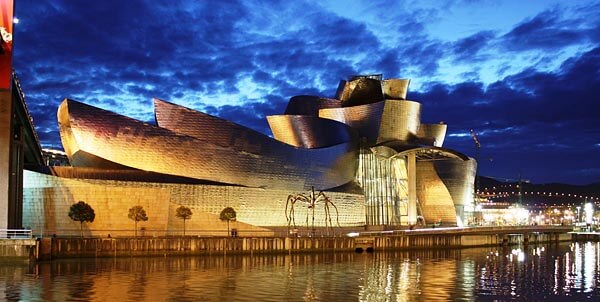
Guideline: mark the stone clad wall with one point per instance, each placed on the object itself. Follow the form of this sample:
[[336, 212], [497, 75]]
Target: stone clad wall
[[47, 200]]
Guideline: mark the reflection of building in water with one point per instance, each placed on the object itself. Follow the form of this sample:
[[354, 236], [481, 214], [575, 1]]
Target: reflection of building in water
[[405, 276], [366, 148], [535, 273], [548, 271], [586, 266]]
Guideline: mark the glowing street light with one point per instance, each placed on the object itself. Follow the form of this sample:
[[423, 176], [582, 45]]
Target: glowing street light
[[589, 212]]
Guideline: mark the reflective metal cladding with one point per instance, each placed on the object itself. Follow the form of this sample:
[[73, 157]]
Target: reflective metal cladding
[[365, 135], [234, 159]]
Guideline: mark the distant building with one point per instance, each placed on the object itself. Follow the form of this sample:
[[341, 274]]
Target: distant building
[[54, 157], [366, 149]]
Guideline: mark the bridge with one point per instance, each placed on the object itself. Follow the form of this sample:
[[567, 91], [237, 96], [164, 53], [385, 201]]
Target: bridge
[[19, 146]]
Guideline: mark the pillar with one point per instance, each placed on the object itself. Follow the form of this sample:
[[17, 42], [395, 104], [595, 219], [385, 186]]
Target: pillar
[[412, 188], [6, 113], [7, 208]]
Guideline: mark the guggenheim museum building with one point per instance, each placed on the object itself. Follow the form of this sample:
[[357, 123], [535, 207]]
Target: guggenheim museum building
[[366, 150]]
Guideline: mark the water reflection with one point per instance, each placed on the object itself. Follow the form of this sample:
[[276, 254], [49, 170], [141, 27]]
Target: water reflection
[[553, 272]]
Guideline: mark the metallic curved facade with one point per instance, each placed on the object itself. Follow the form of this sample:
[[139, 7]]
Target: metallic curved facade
[[208, 128], [367, 144], [432, 134], [266, 163], [310, 105], [365, 119], [390, 120], [444, 184], [447, 188], [400, 121], [360, 91], [395, 89], [298, 131]]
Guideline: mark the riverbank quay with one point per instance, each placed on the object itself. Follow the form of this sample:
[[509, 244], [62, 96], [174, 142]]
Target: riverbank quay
[[57, 248], [585, 236], [456, 237], [17, 244]]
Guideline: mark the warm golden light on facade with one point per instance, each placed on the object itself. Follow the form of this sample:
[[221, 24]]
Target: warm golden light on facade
[[367, 149]]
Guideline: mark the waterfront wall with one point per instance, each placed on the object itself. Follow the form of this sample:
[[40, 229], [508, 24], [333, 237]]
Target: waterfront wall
[[51, 248], [17, 248]]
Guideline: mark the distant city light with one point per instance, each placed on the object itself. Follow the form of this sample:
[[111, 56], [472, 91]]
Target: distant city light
[[589, 212], [15, 20]]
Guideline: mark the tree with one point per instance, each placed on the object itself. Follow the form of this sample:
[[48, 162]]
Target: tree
[[82, 212], [184, 213], [137, 214], [228, 214]]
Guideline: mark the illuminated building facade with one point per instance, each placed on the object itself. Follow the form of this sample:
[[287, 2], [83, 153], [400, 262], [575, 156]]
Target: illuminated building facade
[[366, 149]]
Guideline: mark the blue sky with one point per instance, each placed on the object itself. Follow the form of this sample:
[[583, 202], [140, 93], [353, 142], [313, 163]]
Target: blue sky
[[525, 75]]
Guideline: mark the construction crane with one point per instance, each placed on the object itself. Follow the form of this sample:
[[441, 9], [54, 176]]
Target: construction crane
[[476, 139]]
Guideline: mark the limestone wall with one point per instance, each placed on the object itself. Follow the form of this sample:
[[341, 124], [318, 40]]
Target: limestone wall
[[47, 200]]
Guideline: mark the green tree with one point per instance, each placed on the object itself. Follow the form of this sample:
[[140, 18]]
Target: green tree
[[184, 213], [82, 212], [228, 214], [137, 214]]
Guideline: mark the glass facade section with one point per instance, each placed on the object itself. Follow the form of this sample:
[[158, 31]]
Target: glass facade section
[[385, 184]]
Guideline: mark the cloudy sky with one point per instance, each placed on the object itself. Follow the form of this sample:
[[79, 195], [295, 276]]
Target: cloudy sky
[[525, 75]]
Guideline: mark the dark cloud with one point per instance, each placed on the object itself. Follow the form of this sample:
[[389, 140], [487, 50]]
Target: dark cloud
[[469, 47], [252, 115], [535, 123], [547, 31], [244, 60]]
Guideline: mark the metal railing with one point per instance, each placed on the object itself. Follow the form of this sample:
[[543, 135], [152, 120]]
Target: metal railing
[[15, 234]]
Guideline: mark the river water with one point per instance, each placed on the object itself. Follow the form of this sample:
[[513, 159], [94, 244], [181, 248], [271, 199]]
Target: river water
[[557, 272]]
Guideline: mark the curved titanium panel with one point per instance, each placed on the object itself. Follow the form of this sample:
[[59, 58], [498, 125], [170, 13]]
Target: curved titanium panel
[[78, 157], [309, 131], [206, 127], [395, 89], [400, 121], [310, 105], [459, 178], [365, 119], [436, 201], [432, 134], [142, 146], [380, 122], [360, 91]]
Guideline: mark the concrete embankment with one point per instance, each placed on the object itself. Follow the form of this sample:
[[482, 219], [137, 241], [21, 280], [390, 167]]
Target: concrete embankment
[[54, 248], [17, 248]]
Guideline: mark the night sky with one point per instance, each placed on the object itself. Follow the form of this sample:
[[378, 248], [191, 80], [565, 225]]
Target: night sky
[[525, 75]]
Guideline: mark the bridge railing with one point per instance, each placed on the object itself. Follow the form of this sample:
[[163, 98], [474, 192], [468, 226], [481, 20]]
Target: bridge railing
[[15, 234]]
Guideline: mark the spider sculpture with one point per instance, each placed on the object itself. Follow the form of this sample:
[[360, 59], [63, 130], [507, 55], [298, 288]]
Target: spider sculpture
[[311, 201]]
